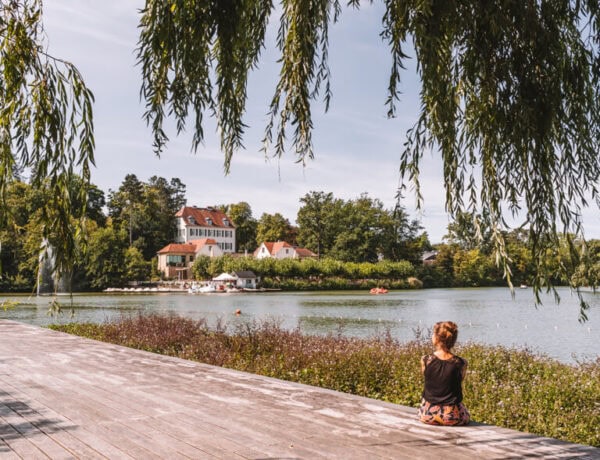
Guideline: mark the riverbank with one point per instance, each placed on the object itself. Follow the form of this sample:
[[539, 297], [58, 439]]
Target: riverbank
[[512, 388], [69, 397]]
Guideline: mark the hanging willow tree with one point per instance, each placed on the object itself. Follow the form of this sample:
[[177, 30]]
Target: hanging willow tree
[[509, 95], [46, 129], [508, 98]]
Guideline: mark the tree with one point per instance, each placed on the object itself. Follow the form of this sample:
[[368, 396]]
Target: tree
[[46, 124], [161, 200], [317, 221], [245, 225], [105, 264], [468, 231], [360, 237], [509, 97], [136, 268], [125, 205], [146, 210], [274, 227], [509, 90], [401, 239]]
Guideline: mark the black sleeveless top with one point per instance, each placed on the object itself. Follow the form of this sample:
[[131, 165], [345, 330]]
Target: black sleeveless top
[[443, 380]]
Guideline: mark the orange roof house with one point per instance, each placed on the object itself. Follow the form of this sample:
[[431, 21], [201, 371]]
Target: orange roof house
[[281, 250], [176, 259]]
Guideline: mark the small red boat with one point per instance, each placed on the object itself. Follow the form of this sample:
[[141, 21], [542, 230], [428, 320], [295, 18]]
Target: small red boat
[[378, 290]]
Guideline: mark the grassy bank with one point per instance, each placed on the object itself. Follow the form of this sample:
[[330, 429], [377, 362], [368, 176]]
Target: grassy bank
[[511, 388]]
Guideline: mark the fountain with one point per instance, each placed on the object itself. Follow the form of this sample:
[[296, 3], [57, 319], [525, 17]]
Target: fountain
[[49, 281]]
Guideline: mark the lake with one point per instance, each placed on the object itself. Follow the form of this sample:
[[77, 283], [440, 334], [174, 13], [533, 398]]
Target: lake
[[485, 315]]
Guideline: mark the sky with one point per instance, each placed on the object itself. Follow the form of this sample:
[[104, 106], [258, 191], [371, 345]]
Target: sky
[[357, 148]]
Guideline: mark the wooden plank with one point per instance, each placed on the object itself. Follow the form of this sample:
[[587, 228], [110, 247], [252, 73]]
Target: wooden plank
[[18, 443], [6, 453], [11, 413]]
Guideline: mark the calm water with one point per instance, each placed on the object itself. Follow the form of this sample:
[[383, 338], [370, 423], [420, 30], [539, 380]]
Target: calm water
[[486, 315]]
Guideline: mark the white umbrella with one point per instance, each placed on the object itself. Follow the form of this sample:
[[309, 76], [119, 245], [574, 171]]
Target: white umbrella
[[225, 277]]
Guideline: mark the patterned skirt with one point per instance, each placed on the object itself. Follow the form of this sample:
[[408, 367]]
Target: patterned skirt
[[450, 415]]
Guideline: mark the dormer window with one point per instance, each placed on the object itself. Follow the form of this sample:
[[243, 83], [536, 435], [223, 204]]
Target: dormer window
[[208, 221], [226, 222], [191, 220]]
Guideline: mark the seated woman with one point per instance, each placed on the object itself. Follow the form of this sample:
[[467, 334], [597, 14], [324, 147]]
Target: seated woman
[[444, 373]]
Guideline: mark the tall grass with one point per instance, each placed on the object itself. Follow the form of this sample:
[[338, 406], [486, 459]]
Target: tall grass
[[507, 387]]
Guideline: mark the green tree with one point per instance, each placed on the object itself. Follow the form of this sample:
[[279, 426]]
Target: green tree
[[274, 227], [161, 200], [125, 206], [105, 264], [136, 268], [201, 267], [361, 233], [401, 239], [145, 211], [509, 91], [469, 231], [318, 222], [245, 225], [46, 125]]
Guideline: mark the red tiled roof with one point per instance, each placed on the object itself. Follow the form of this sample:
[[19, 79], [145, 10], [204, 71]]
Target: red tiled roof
[[273, 246], [279, 245], [303, 252], [200, 216], [186, 248], [177, 248], [199, 243]]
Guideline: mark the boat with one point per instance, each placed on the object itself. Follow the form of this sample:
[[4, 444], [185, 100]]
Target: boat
[[378, 290], [202, 289]]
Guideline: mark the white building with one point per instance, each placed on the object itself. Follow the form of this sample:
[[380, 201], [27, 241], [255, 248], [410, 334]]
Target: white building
[[282, 250], [195, 223]]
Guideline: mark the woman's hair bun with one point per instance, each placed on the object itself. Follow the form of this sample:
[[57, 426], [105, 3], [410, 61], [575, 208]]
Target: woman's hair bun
[[446, 332]]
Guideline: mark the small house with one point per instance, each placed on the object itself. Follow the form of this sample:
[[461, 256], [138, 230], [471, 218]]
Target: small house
[[246, 279]]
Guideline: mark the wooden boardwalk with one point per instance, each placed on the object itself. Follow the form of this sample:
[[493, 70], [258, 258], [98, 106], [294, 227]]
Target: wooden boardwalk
[[67, 397]]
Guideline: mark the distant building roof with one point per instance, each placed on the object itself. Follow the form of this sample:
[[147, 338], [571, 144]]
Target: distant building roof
[[176, 248], [201, 242], [245, 274], [273, 246], [204, 217], [304, 253], [186, 248]]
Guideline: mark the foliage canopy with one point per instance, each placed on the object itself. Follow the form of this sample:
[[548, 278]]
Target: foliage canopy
[[46, 128], [508, 98]]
